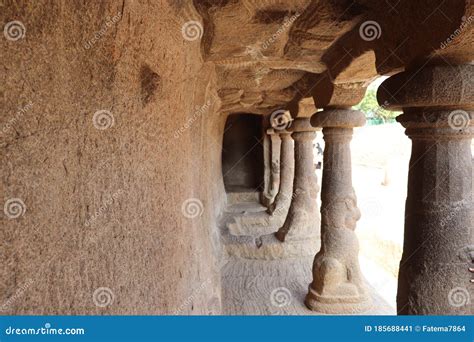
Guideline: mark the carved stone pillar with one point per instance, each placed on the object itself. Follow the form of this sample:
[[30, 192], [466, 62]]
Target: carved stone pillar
[[274, 174], [437, 102], [302, 221], [264, 195], [287, 161], [338, 286]]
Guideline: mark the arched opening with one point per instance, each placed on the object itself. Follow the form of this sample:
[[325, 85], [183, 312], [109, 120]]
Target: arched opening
[[242, 153]]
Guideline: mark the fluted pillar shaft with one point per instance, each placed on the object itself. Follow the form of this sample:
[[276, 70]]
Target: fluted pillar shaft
[[302, 221], [338, 286], [437, 101]]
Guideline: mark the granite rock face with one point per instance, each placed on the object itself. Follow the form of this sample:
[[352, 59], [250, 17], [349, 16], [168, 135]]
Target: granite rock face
[[113, 160], [113, 120]]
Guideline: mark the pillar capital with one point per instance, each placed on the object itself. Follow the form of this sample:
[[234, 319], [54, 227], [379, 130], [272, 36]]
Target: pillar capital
[[437, 101], [438, 124], [285, 135], [302, 125], [440, 86], [326, 93], [338, 118], [273, 131]]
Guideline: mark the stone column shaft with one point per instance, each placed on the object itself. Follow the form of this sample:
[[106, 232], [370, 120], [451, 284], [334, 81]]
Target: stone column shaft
[[282, 201], [275, 165], [337, 171], [265, 194], [272, 147], [302, 221], [338, 286], [437, 101]]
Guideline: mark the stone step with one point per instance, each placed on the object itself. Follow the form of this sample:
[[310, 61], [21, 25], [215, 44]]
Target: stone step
[[243, 196]]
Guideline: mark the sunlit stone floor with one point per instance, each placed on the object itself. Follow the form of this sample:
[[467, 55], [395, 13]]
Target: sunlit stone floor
[[270, 287]]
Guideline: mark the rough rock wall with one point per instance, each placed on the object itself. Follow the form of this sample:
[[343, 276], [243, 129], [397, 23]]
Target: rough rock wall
[[102, 228]]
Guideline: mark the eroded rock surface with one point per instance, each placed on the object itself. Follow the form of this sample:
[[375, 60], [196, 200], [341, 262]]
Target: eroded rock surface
[[131, 201]]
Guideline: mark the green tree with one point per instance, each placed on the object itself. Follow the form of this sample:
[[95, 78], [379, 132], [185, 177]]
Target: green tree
[[372, 109]]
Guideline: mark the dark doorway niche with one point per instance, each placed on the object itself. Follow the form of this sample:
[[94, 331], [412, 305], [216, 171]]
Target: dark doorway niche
[[242, 153]]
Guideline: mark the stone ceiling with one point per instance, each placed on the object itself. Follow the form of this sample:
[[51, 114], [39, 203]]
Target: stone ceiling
[[272, 53]]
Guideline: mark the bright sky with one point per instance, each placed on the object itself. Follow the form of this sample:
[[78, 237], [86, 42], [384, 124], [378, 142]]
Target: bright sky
[[375, 84]]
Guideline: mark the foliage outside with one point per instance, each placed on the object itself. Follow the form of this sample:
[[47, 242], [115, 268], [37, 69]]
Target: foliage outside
[[373, 110]]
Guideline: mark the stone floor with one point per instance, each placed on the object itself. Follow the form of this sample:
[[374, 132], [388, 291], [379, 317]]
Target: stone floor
[[256, 283]]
